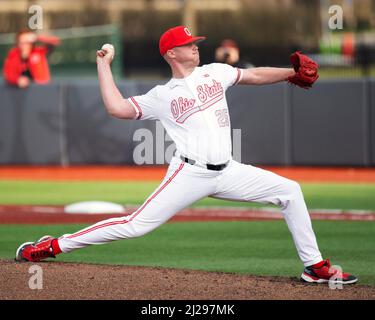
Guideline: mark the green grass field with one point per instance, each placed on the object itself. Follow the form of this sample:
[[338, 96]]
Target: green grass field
[[258, 248], [317, 196]]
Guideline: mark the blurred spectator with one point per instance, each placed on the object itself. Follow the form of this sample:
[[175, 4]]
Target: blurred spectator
[[229, 52], [27, 61]]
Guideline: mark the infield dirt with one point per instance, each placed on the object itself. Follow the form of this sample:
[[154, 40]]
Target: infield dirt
[[88, 281]]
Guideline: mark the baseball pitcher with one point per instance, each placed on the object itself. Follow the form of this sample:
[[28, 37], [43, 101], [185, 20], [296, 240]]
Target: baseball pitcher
[[192, 107]]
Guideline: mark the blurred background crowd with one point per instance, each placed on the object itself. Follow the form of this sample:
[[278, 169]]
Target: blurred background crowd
[[242, 32]]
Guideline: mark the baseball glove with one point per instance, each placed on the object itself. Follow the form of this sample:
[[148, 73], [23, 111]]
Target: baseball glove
[[306, 70]]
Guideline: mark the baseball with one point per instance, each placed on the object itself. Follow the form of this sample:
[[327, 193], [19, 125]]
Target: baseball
[[110, 49]]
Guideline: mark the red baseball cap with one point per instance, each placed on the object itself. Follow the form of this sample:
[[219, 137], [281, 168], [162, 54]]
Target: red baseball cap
[[175, 37]]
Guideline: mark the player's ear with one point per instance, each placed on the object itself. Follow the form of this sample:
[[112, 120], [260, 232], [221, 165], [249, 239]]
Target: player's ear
[[170, 54]]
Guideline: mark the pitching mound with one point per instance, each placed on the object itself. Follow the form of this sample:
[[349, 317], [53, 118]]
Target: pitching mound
[[85, 281]]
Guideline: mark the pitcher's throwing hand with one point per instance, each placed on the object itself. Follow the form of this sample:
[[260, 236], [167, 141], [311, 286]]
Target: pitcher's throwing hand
[[107, 53]]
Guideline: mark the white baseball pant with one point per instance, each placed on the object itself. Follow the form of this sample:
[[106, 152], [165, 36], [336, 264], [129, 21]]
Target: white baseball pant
[[185, 184]]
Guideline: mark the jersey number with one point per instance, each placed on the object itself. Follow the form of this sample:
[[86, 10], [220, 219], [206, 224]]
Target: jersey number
[[222, 117]]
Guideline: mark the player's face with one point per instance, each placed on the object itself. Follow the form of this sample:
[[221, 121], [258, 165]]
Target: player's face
[[187, 53], [25, 43]]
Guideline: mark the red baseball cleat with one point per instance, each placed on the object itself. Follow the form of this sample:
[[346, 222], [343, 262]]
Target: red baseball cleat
[[44, 248], [322, 273]]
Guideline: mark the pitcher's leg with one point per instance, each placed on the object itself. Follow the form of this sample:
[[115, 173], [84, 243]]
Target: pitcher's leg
[[247, 183], [177, 191]]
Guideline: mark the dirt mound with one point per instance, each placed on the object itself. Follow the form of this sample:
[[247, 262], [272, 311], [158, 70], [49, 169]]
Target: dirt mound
[[87, 281], [21, 214]]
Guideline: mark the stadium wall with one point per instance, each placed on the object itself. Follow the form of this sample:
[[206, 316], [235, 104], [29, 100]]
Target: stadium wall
[[65, 123]]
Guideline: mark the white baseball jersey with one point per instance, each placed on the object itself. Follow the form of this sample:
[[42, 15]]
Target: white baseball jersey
[[194, 112]]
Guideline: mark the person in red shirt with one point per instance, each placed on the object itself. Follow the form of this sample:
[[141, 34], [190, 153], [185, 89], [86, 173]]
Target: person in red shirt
[[27, 62], [229, 52]]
